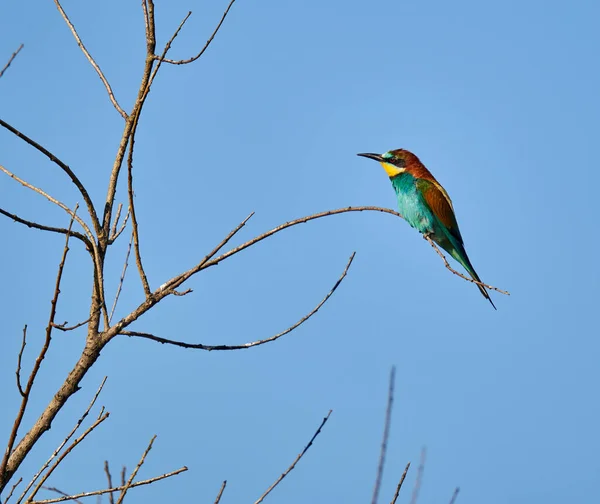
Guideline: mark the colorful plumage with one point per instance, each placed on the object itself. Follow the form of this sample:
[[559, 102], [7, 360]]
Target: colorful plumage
[[425, 205]]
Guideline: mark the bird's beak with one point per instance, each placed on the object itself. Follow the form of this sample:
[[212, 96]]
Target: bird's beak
[[376, 157]]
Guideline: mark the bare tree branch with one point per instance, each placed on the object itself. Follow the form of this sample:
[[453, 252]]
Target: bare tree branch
[[386, 435], [10, 60], [111, 497], [109, 90], [454, 495], [82, 190], [12, 490], [19, 360], [60, 492], [218, 499], [135, 235], [115, 489], [200, 346], [64, 442], [439, 252], [121, 280], [398, 488], [51, 199], [135, 471], [63, 327], [208, 42], [35, 225], [419, 480], [38, 362], [114, 236], [291, 467], [65, 453]]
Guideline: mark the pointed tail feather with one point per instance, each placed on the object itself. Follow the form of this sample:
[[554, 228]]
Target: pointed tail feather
[[461, 256]]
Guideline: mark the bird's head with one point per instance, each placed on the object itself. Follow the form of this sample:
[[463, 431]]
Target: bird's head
[[394, 162]]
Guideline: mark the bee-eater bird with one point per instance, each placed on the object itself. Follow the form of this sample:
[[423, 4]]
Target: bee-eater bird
[[425, 205]]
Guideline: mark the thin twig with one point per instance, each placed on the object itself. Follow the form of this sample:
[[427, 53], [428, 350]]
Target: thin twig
[[200, 346], [113, 229], [111, 497], [41, 355], [60, 492], [10, 60], [115, 489], [122, 279], [135, 236], [454, 495], [121, 229], [208, 42], [87, 54], [439, 252], [398, 488], [386, 435], [63, 327], [291, 467], [19, 360], [63, 455], [135, 471], [419, 480], [51, 199], [218, 499], [12, 490], [66, 440]]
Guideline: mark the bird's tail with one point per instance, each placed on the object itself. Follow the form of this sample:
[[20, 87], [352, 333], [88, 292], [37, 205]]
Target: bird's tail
[[459, 253]]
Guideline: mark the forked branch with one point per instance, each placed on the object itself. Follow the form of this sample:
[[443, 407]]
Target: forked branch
[[208, 42], [200, 346]]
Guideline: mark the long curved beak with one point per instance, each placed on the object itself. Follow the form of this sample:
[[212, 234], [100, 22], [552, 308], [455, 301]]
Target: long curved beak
[[376, 157]]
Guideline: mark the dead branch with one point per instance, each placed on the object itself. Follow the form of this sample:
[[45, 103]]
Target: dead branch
[[208, 42], [69, 449], [114, 236], [51, 199], [135, 236], [19, 360], [135, 471], [82, 190], [63, 327], [111, 497], [109, 90], [121, 280], [115, 489], [419, 480], [200, 346], [218, 499], [35, 225], [113, 229], [386, 435], [10, 60], [38, 362], [291, 467], [64, 441], [454, 495], [439, 252], [60, 492], [398, 488], [12, 490]]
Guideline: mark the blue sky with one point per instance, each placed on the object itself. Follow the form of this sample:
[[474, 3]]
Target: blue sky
[[500, 100]]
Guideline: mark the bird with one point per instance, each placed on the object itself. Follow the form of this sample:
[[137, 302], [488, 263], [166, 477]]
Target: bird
[[425, 205]]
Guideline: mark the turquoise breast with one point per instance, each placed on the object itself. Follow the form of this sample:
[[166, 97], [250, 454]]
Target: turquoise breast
[[411, 205]]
